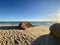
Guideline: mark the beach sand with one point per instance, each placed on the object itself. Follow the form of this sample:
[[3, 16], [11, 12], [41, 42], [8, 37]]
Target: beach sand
[[11, 35]]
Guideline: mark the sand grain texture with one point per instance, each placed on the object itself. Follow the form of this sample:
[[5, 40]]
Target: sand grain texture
[[22, 37]]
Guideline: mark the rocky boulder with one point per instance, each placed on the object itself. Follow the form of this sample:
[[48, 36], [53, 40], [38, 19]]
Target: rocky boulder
[[55, 30], [25, 25]]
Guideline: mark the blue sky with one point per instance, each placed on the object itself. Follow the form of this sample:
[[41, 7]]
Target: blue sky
[[19, 10]]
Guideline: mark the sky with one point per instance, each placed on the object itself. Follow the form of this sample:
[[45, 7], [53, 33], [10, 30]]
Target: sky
[[29, 10]]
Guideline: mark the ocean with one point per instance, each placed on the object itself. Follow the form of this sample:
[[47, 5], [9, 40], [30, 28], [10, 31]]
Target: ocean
[[39, 23]]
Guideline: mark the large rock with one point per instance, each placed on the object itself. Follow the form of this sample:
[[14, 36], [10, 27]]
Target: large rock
[[25, 25], [55, 30]]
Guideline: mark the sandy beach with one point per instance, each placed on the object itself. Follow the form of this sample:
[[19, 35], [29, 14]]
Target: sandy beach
[[11, 35]]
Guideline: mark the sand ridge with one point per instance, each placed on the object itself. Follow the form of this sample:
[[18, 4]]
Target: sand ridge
[[22, 37]]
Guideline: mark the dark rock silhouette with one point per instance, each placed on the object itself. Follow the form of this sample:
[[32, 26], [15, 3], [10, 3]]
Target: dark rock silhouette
[[45, 40], [8, 27], [55, 30], [25, 25], [50, 39]]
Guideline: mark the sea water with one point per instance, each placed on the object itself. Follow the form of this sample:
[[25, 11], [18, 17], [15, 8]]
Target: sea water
[[39, 23]]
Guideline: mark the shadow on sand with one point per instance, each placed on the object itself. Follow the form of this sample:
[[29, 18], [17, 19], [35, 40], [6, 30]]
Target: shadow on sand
[[45, 40], [8, 27]]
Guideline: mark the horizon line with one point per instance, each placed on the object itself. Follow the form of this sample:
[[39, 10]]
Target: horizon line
[[25, 20]]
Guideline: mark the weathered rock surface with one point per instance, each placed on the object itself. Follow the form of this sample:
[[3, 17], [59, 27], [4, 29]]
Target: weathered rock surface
[[55, 30], [25, 25]]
